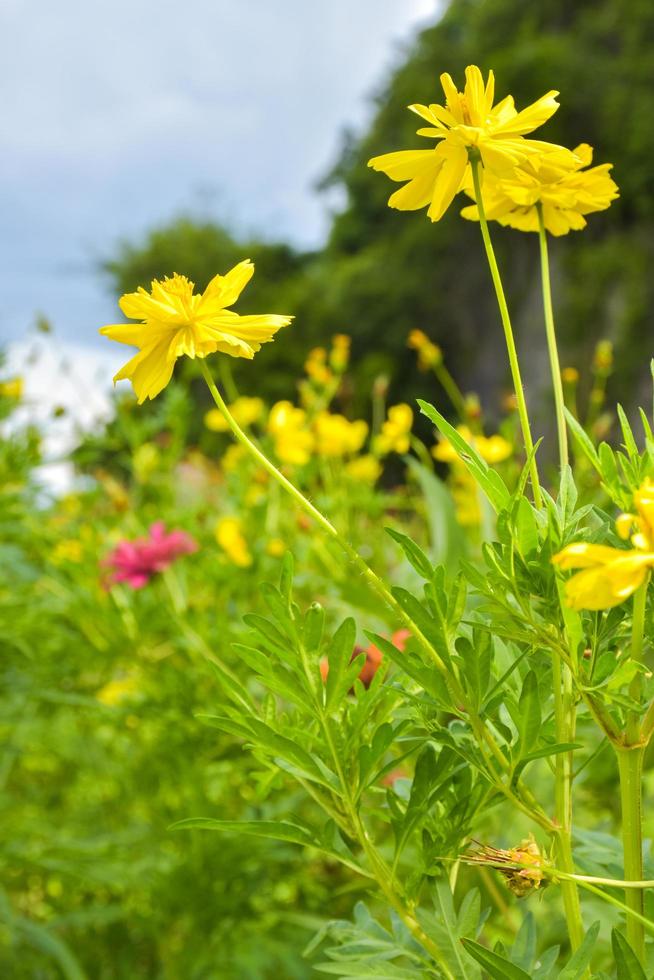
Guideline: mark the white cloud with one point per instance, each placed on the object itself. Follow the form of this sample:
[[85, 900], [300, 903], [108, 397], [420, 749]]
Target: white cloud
[[124, 109]]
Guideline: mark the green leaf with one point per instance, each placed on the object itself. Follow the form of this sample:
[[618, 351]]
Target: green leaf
[[526, 528], [546, 961], [578, 963], [530, 713], [286, 577], [428, 626], [583, 440], [524, 947], [626, 961], [274, 829], [281, 830], [314, 624], [339, 656], [414, 554], [489, 481], [496, 966], [551, 749], [426, 675], [52, 946], [627, 434]]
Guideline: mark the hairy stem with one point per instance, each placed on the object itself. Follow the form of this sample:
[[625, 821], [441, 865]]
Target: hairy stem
[[552, 348], [565, 724], [508, 333], [630, 767]]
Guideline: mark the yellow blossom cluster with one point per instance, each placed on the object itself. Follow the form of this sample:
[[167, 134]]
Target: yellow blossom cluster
[[297, 437], [429, 354], [293, 440], [522, 178], [564, 193], [395, 434], [492, 449], [229, 535], [245, 411], [609, 575], [337, 436], [117, 690]]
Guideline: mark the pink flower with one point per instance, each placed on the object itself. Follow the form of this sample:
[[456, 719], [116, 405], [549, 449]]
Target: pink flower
[[135, 562]]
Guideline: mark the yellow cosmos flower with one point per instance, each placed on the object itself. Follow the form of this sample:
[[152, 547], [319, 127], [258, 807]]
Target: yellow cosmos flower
[[246, 411], [12, 388], [117, 690], [364, 469], [395, 435], [339, 356], [429, 354], [294, 442], [316, 366], [492, 449], [275, 547], [565, 192], [229, 535], [611, 575], [337, 436], [175, 321], [69, 550], [234, 457], [469, 120]]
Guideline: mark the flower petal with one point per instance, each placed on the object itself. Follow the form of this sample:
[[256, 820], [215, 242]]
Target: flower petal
[[448, 180]]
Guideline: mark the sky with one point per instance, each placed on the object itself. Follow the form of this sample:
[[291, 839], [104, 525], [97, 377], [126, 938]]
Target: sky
[[125, 113], [120, 115]]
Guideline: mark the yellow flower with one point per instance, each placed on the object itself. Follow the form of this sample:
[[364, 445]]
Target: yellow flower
[[229, 536], [246, 411], [275, 547], [603, 358], [364, 469], [492, 449], [395, 431], [337, 436], [611, 575], [316, 366], [429, 354], [145, 461], [177, 321], [69, 550], [12, 388], [467, 121], [233, 456], [117, 690], [569, 376], [340, 353], [294, 442], [565, 191]]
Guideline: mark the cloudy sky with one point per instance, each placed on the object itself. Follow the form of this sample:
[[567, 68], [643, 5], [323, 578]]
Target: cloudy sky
[[119, 115]]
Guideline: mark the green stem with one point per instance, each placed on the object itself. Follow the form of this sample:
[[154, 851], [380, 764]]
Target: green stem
[[382, 873], [555, 366], [633, 727], [564, 719], [630, 767], [508, 333]]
